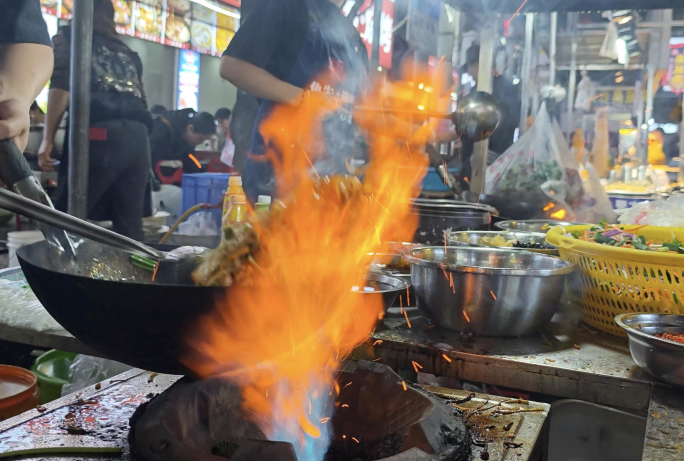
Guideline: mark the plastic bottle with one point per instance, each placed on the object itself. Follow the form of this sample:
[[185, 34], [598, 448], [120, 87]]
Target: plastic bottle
[[263, 203], [237, 212], [234, 188]]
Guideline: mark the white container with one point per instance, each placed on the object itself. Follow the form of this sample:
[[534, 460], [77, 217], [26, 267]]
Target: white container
[[16, 240]]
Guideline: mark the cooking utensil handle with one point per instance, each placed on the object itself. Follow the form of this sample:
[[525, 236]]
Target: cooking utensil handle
[[13, 164], [437, 162], [41, 213], [16, 172]]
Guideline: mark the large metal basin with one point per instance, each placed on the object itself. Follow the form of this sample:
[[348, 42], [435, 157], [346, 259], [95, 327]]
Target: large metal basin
[[492, 292]]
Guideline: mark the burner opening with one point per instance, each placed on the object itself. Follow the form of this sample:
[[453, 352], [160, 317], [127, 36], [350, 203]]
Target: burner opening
[[376, 417]]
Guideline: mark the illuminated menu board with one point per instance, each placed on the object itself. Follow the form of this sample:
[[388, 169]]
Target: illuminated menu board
[[181, 24], [188, 80]]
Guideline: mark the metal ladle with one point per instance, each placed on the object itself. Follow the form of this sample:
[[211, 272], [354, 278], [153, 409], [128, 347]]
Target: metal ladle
[[477, 116]]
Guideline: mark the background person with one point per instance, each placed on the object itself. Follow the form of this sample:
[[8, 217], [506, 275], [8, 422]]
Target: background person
[[304, 46], [225, 144], [118, 174], [175, 136]]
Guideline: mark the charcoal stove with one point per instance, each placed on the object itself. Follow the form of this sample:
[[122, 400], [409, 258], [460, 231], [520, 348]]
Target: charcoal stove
[[454, 425]]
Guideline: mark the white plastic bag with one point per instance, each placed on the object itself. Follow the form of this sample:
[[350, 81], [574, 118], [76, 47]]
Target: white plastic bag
[[540, 170], [200, 223], [585, 93], [20, 308], [86, 371], [665, 213]]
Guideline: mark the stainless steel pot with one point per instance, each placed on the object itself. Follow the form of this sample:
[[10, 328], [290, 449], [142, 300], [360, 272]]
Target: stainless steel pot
[[493, 292]]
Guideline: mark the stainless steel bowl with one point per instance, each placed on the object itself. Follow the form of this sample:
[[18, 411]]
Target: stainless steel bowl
[[491, 291], [662, 358], [533, 225], [474, 239], [383, 285]]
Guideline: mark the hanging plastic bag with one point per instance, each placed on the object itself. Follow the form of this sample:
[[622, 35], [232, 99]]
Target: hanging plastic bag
[[609, 48], [585, 93], [86, 371], [540, 171], [200, 223]]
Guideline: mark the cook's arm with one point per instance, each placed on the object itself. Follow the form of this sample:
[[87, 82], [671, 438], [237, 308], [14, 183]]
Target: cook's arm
[[258, 82], [24, 70]]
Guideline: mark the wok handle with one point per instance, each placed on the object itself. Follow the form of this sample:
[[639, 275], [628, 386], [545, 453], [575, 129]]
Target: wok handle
[[16, 172], [41, 213]]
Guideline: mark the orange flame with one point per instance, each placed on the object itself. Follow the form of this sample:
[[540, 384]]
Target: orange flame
[[289, 331], [549, 206], [560, 214]]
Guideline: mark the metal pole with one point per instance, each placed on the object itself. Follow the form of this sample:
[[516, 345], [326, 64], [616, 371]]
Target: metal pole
[[377, 22], [79, 107], [485, 80], [552, 49], [572, 82], [526, 71]]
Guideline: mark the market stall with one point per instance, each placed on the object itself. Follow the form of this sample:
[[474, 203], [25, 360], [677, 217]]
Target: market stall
[[308, 334]]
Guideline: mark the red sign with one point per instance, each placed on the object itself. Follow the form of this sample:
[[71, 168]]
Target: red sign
[[364, 24], [232, 2]]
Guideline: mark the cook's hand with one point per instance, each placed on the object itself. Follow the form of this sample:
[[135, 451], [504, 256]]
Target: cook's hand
[[45, 160], [15, 122]]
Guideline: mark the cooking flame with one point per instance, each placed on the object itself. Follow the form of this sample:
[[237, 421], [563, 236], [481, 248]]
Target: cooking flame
[[560, 214], [283, 338], [549, 206]]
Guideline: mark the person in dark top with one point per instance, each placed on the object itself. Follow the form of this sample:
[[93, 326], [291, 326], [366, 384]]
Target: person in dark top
[[509, 98], [176, 134], [119, 126], [25, 65], [303, 46]]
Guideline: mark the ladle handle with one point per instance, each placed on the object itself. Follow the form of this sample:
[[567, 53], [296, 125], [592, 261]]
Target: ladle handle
[[41, 213]]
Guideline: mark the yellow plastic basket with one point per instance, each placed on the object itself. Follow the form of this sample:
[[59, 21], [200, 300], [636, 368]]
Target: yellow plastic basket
[[609, 281]]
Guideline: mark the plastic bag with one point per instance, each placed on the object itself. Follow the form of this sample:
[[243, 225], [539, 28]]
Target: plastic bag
[[585, 93], [540, 171], [86, 371], [665, 213], [20, 308], [200, 223]]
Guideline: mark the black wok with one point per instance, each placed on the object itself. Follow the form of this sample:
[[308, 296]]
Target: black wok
[[114, 307]]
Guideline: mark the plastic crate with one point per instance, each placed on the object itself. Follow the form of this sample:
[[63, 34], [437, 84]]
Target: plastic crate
[[205, 188], [433, 183]]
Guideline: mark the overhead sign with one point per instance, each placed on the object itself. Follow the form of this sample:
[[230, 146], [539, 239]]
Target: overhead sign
[[364, 23], [422, 28], [187, 96]]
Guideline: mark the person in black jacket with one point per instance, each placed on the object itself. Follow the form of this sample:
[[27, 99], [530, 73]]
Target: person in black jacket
[[25, 65], [119, 170], [176, 134]]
